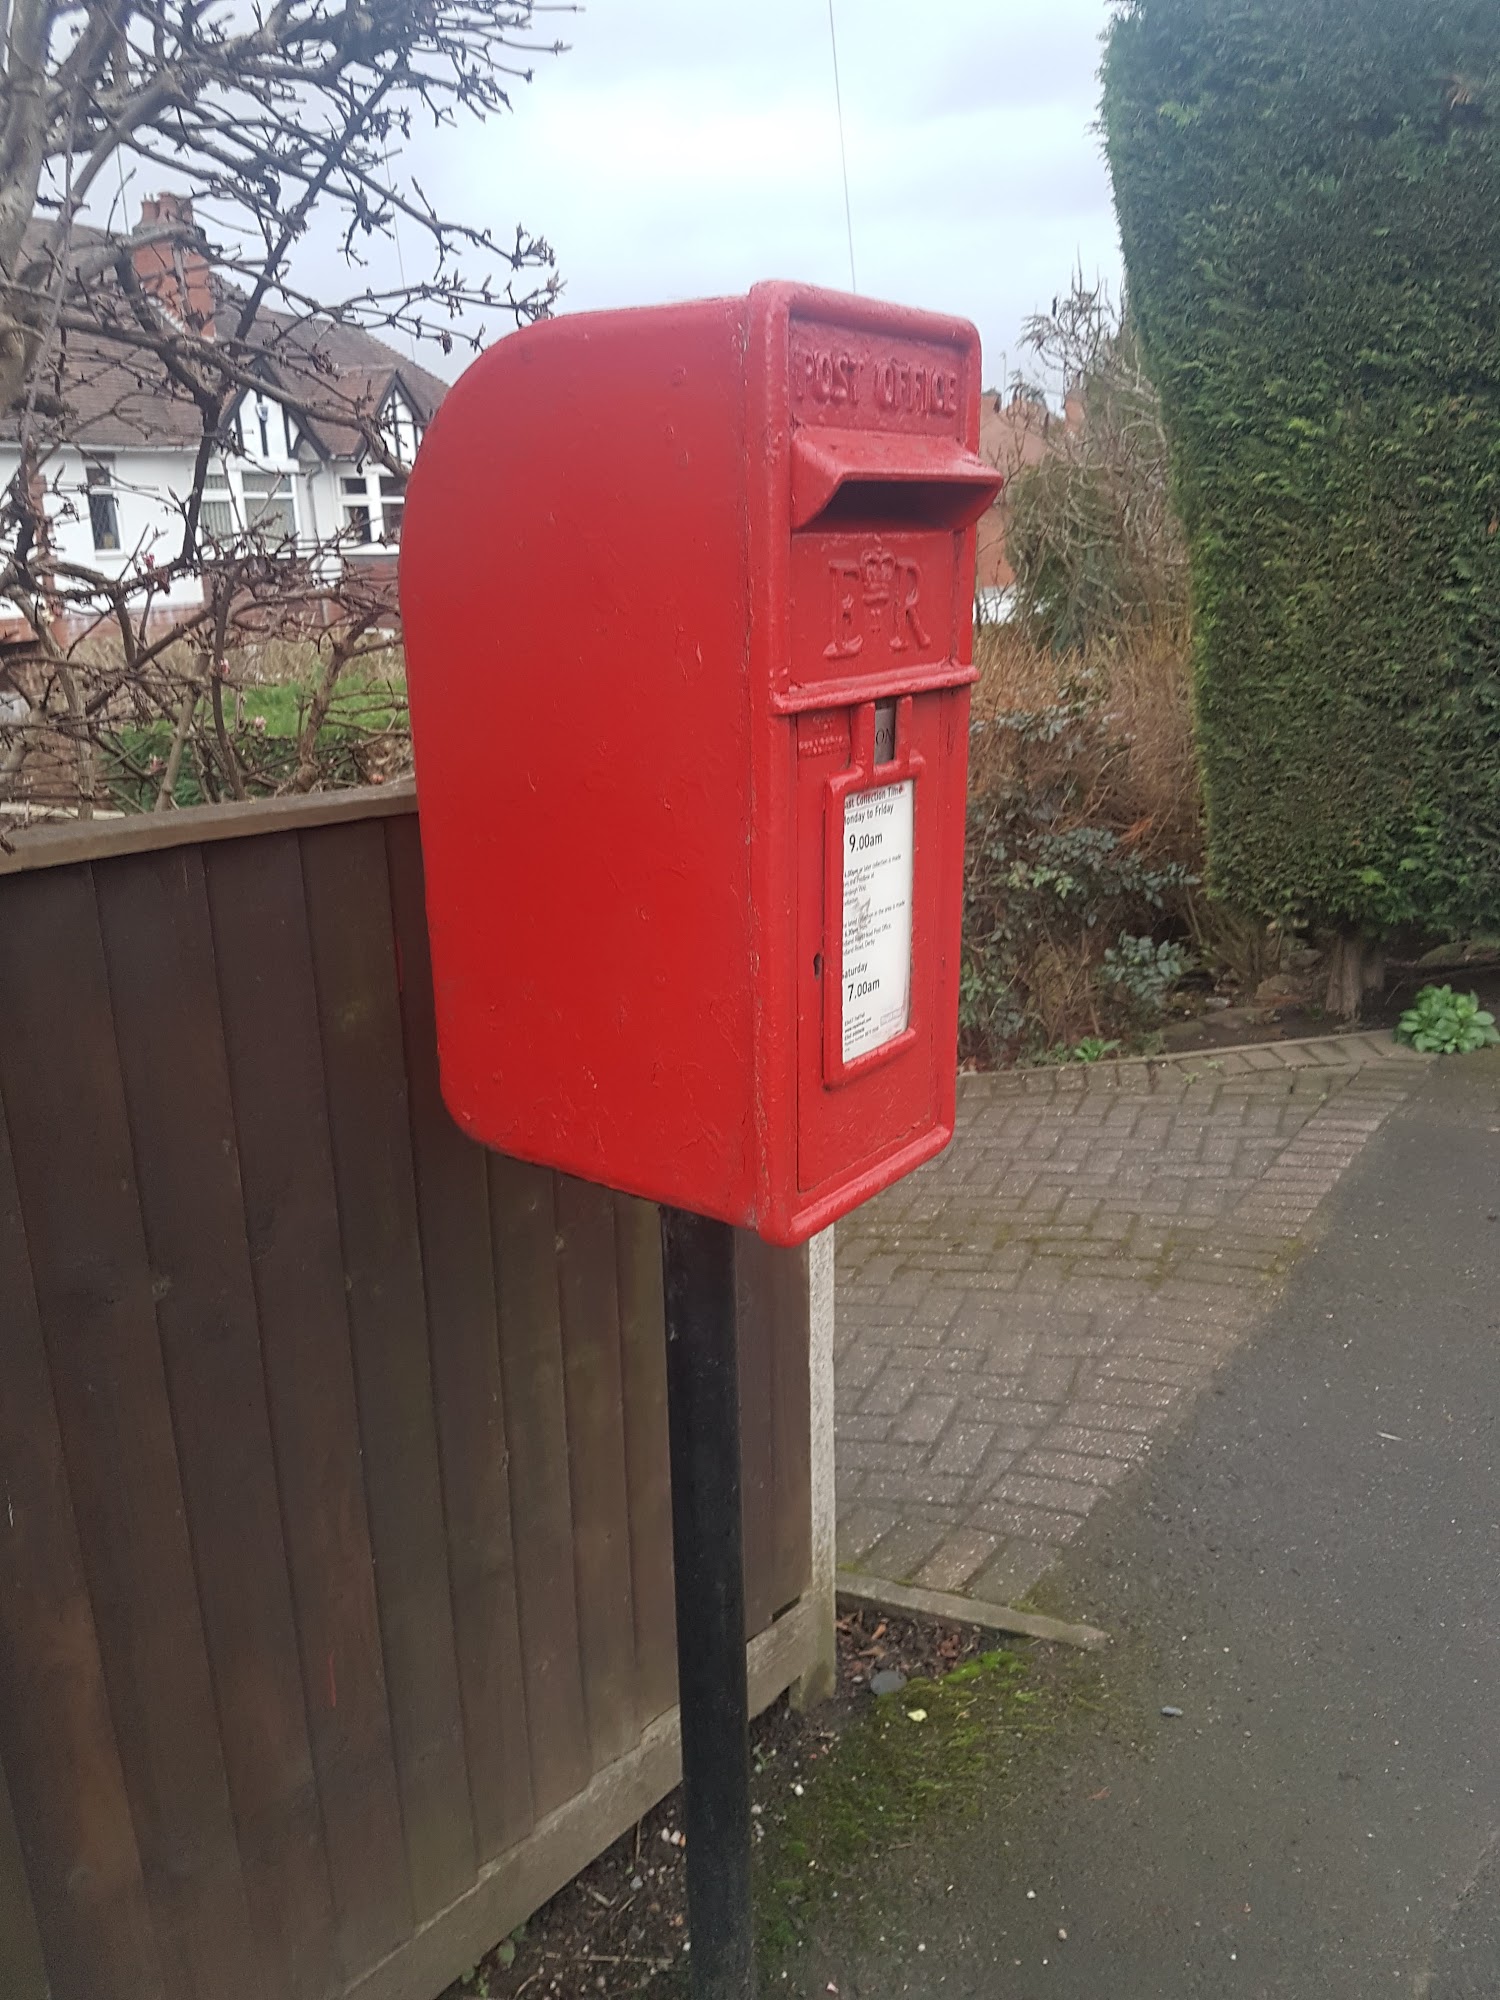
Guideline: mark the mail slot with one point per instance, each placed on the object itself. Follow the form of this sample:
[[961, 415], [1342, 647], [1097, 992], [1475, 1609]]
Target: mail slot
[[687, 596]]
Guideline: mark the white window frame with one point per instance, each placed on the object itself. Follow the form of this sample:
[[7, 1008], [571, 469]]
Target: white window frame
[[363, 486], [362, 492], [99, 483], [359, 521], [225, 484]]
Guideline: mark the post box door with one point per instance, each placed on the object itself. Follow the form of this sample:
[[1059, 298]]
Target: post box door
[[874, 797]]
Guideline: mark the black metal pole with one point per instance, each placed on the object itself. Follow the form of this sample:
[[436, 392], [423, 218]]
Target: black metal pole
[[703, 1404]]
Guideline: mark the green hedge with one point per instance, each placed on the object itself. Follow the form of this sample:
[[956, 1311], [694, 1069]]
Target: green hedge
[[1309, 197]]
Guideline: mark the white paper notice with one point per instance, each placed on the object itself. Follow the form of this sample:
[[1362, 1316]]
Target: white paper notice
[[877, 917]]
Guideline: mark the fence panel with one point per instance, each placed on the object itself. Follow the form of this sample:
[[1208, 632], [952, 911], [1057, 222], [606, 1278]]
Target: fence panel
[[336, 1620]]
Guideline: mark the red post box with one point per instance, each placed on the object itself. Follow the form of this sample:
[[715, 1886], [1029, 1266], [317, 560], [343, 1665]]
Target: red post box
[[688, 606]]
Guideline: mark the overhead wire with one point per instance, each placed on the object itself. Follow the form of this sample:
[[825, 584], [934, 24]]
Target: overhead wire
[[838, 99]]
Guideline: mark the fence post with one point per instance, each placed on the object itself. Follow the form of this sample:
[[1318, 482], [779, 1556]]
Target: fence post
[[820, 1679]]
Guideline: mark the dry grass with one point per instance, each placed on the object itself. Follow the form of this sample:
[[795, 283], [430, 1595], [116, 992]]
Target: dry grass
[[1085, 816], [1138, 775]]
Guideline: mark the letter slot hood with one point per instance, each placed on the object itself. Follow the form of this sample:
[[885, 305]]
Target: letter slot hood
[[866, 477]]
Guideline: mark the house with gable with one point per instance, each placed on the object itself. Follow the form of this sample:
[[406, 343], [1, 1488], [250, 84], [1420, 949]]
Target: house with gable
[[115, 487]]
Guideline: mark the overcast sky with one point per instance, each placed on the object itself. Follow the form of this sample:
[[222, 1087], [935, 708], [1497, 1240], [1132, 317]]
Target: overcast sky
[[688, 147]]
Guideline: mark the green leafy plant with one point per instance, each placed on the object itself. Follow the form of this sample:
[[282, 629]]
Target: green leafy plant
[[989, 1014], [1445, 1023], [1048, 882], [335, 725], [1143, 972], [1093, 1049]]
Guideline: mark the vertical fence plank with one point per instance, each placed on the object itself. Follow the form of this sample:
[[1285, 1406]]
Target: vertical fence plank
[[158, 944], [57, 1746], [439, 1520], [94, 1288], [23, 1972], [349, 913], [752, 1291], [594, 1396], [524, 1229], [464, 1330], [648, 1470], [269, 1008]]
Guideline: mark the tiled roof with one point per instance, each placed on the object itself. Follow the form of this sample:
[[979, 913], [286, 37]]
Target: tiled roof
[[97, 393], [314, 358]]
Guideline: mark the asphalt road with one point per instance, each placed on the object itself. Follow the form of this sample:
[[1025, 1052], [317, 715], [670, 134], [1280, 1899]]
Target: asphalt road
[[1310, 1571]]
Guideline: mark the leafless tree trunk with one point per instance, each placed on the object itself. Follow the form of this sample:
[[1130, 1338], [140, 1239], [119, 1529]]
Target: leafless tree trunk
[[1356, 969]]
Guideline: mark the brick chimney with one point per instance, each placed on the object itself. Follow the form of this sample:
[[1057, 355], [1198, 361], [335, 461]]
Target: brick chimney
[[175, 271]]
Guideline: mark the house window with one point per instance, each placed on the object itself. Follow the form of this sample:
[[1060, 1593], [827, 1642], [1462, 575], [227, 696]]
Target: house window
[[356, 509], [392, 505], [217, 516], [270, 512], [104, 512], [244, 500], [373, 504]]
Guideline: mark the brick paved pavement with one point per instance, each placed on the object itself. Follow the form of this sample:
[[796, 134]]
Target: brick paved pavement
[[1019, 1319]]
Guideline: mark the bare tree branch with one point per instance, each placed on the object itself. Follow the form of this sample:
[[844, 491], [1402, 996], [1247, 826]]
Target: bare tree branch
[[1092, 531], [269, 123]]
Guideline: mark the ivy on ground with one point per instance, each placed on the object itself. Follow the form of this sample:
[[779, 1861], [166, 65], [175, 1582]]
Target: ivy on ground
[[1059, 906]]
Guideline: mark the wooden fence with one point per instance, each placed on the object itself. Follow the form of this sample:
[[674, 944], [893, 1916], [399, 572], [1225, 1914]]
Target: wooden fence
[[335, 1579]]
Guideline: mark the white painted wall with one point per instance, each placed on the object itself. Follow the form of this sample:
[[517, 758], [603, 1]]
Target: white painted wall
[[144, 484], [149, 487]]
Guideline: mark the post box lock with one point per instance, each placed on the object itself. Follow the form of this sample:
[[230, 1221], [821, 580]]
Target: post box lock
[[691, 733]]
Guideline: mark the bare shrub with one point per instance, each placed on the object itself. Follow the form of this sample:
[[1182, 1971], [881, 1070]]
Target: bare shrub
[[1086, 813], [1093, 536], [1085, 829], [1142, 770], [194, 723]]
